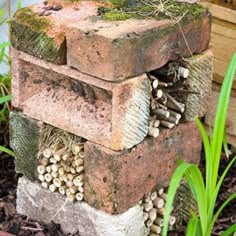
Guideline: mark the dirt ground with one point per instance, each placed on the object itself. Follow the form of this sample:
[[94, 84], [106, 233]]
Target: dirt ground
[[16, 224]]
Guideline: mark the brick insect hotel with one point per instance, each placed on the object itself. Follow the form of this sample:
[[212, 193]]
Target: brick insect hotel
[[104, 99]]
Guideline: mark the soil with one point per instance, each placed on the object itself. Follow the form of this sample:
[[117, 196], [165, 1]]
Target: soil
[[16, 224]]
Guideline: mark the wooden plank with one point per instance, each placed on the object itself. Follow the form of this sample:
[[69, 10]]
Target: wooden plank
[[223, 28], [221, 53], [217, 87], [223, 34], [219, 40], [231, 139], [219, 79], [224, 3], [220, 67], [219, 71], [231, 115], [220, 12]]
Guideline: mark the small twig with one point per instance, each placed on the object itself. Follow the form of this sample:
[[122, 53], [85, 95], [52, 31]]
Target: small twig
[[32, 229], [8, 9], [183, 91], [60, 209], [185, 40]]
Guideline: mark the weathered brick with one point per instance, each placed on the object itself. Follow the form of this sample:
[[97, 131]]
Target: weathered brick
[[115, 115], [24, 140], [117, 50], [200, 84], [40, 204], [115, 181], [41, 32]]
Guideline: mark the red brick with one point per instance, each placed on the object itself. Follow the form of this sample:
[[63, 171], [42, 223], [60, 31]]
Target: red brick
[[44, 35], [115, 115], [115, 181], [5, 234], [117, 50]]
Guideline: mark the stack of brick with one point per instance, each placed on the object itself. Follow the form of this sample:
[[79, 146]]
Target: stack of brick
[[85, 76]]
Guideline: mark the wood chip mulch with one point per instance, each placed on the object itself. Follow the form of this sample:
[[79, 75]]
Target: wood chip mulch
[[10, 221]]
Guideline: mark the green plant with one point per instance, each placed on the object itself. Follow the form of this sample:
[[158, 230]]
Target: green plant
[[5, 96], [205, 193], [4, 78]]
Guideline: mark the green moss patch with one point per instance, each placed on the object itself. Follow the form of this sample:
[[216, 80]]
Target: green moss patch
[[154, 9], [27, 17], [28, 33], [116, 15]]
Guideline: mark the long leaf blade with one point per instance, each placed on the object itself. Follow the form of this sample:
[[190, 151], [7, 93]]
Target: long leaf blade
[[220, 118], [4, 45], [229, 231], [208, 157], [6, 150], [175, 180], [225, 144], [215, 194], [192, 227], [194, 178], [229, 199], [5, 99]]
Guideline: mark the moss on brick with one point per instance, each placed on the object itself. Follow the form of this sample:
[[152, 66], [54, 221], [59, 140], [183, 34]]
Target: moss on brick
[[154, 10], [27, 17], [116, 16], [28, 33]]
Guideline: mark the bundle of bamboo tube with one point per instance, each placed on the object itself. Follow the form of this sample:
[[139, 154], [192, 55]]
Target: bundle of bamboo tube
[[166, 111], [62, 170], [153, 212]]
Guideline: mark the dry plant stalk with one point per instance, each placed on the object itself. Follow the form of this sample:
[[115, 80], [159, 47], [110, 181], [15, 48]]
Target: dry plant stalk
[[153, 212], [60, 162], [166, 111]]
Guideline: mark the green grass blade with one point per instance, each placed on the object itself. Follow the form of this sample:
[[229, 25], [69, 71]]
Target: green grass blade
[[194, 176], [208, 158], [4, 45], [220, 118], [175, 180], [225, 144], [229, 199], [204, 136], [230, 230], [2, 13], [6, 150], [2, 55], [19, 5], [217, 189], [5, 99], [192, 227]]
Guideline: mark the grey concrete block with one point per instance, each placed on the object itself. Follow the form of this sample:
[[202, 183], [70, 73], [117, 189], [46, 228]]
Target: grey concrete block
[[38, 203]]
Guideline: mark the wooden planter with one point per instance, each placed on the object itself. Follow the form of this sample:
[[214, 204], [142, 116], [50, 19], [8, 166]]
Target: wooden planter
[[223, 44]]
